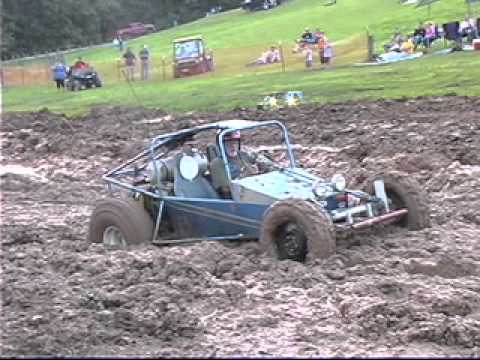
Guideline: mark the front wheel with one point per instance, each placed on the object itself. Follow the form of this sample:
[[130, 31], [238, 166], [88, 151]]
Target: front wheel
[[298, 230], [404, 192], [119, 223]]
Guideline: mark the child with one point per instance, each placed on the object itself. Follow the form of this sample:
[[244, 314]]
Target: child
[[308, 57], [327, 54]]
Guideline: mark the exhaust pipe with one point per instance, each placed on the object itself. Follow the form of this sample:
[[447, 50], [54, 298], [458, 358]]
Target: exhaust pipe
[[379, 219]]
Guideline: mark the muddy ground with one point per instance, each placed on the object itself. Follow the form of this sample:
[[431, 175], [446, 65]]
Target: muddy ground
[[393, 293]]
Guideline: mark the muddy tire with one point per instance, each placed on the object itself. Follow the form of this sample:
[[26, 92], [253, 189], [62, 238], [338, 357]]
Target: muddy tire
[[298, 230], [405, 192], [119, 223]]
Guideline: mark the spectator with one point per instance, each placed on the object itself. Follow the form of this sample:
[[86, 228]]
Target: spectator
[[130, 60], [419, 36], [144, 55], [308, 57], [307, 36], [408, 46], [80, 64], [317, 35], [430, 33], [468, 29], [275, 55], [322, 42], [397, 39], [327, 55], [59, 75], [265, 58]]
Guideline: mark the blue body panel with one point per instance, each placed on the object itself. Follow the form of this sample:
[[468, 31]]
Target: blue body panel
[[280, 185], [212, 218]]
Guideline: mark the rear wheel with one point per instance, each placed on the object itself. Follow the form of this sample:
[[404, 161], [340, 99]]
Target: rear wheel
[[76, 85], [404, 192], [119, 223], [298, 230]]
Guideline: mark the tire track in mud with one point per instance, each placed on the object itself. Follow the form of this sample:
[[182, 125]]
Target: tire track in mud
[[393, 293]]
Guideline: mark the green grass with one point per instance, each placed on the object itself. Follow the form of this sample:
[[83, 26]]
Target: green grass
[[237, 36], [432, 75], [237, 28]]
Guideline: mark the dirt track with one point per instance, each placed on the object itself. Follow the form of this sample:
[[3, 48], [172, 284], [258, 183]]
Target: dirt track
[[394, 294]]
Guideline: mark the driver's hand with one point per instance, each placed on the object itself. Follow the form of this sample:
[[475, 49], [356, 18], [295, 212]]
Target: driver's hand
[[249, 170]]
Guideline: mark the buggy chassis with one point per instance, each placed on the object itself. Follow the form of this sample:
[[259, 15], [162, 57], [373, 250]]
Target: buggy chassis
[[254, 199]]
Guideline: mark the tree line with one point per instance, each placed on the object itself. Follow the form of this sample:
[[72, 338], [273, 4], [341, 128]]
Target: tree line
[[38, 26]]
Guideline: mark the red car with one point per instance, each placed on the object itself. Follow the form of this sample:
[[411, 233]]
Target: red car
[[136, 29]]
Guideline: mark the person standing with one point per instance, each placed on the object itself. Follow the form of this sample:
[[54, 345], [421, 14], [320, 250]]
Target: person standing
[[308, 57], [327, 55], [59, 75], [144, 55], [322, 41], [130, 60]]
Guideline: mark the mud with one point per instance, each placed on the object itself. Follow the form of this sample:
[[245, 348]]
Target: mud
[[393, 293]]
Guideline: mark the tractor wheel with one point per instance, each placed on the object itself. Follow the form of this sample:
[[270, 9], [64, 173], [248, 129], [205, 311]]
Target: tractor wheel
[[118, 223], [298, 230], [404, 192]]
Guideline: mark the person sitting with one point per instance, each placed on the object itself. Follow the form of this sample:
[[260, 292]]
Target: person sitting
[[243, 163], [271, 55], [80, 64], [307, 37], [240, 163], [419, 36], [275, 55], [430, 33], [397, 39], [408, 46], [468, 29]]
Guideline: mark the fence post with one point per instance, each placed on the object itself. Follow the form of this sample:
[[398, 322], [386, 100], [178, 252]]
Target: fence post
[[281, 55], [370, 46], [119, 76], [163, 68], [47, 74]]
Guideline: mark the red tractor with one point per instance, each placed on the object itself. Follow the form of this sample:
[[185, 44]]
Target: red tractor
[[190, 57], [136, 29]]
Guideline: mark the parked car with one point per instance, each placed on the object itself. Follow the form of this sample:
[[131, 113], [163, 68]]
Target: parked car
[[182, 188], [190, 57], [135, 29], [253, 5]]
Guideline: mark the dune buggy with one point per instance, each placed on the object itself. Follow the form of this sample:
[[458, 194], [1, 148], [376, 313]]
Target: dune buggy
[[171, 195]]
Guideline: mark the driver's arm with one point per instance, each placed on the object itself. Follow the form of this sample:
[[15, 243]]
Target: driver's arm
[[262, 162]]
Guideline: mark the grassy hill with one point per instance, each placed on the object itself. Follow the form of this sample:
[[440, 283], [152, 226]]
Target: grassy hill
[[237, 28], [242, 35]]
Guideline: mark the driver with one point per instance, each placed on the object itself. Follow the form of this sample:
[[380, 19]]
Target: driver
[[243, 163]]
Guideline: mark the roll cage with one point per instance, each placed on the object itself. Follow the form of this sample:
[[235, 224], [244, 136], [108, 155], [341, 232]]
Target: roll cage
[[170, 141]]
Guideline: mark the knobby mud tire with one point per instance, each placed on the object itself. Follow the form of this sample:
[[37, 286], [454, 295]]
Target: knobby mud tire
[[315, 223], [410, 193], [127, 215]]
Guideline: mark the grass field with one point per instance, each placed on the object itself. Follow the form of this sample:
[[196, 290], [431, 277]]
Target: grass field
[[434, 74]]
